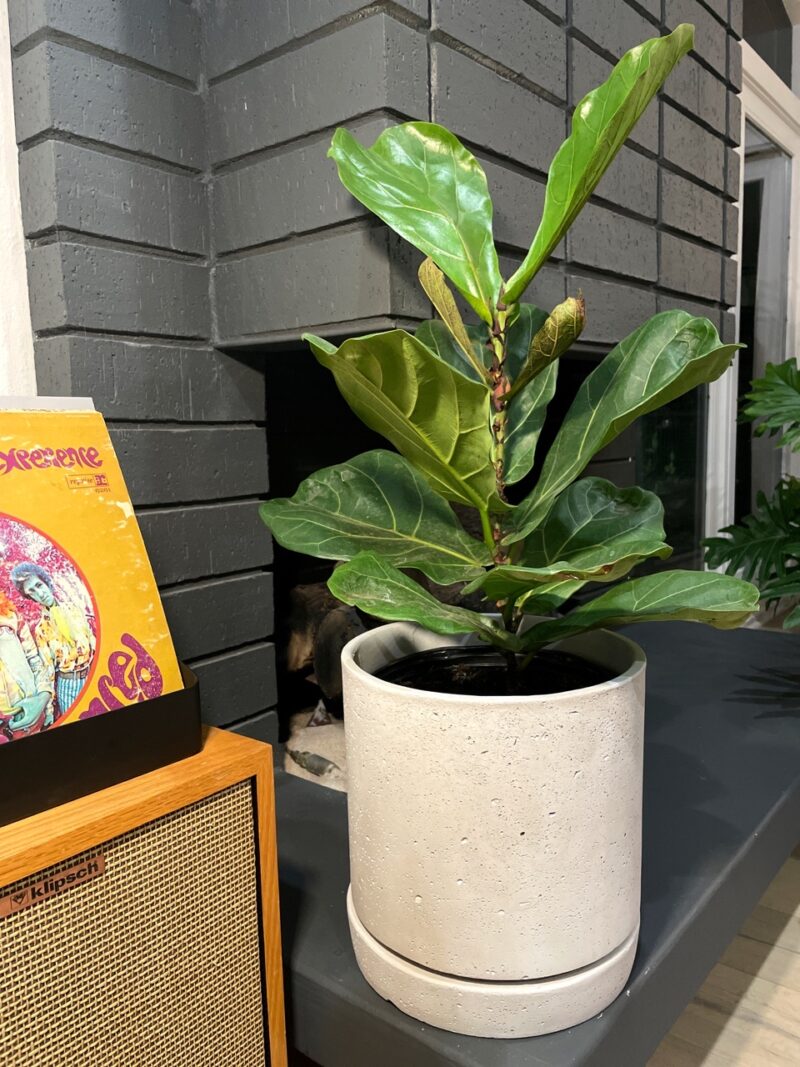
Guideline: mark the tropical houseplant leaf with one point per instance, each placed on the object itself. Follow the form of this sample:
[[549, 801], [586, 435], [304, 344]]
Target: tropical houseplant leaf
[[430, 189], [437, 337], [775, 401], [666, 357], [377, 502], [600, 125], [436, 417], [765, 543], [372, 584], [594, 531], [698, 596]]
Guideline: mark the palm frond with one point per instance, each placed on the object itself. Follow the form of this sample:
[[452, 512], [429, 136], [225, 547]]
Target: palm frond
[[765, 545], [775, 400]]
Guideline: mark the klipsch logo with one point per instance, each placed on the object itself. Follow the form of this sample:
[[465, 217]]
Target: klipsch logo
[[11, 903]]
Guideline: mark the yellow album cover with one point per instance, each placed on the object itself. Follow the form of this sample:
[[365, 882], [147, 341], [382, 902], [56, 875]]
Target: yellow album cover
[[82, 629]]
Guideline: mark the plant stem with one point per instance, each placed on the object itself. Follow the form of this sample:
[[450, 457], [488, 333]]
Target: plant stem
[[486, 527], [500, 389]]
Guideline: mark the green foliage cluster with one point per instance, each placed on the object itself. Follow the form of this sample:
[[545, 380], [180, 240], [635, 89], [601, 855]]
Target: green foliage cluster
[[464, 406], [765, 546]]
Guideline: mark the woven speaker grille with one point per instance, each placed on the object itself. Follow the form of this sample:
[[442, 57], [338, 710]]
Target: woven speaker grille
[[156, 963]]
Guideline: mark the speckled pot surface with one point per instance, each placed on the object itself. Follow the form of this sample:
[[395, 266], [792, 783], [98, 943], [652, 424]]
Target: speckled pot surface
[[494, 839]]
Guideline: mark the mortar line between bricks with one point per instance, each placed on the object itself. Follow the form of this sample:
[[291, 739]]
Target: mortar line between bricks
[[223, 653], [272, 343], [247, 573], [697, 120], [302, 140], [49, 35], [548, 14], [142, 340], [442, 37], [90, 331], [645, 13], [176, 426], [604, 53], [392, 10], [200, 505], [298, 240], [68, 235], [579, 270], [257, 715], [131, 155]]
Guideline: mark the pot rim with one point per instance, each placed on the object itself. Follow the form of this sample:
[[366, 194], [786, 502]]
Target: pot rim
[[637, 666]]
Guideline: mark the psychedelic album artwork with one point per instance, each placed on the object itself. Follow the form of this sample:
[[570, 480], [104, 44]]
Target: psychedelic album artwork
[[82, 630]]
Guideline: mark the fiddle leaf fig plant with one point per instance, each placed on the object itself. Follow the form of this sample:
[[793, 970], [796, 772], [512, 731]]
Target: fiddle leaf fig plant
[[463, 405]]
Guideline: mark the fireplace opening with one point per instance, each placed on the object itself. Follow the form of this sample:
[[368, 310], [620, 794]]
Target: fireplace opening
[[309, 426]]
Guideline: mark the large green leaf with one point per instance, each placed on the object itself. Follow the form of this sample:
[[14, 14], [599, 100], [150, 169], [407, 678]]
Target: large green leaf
[[376, 587], [593, 532], [699, 596], [526, 412], [377, 502], [427, 186], [600, 126], [435, 335], [435, 416], [775, 402], [766, 543], [663, 359]]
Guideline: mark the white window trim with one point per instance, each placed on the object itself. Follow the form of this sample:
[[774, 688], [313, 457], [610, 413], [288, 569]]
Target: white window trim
[[771, 105], [17, 373]]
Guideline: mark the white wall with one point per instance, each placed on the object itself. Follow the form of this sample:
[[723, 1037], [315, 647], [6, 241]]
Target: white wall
[[17, 375]]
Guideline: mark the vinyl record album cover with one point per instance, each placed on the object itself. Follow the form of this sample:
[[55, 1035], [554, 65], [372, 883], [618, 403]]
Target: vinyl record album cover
[[82, 629]]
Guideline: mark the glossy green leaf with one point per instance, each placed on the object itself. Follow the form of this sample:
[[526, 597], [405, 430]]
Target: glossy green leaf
[[530, 319], [378, 503], [526, 413], [663, 359], [547, 597], [373, 585], [774, 401], [436, 336], [430, 189], [594, 532], [698, 596], [433, 415], [600, 125]]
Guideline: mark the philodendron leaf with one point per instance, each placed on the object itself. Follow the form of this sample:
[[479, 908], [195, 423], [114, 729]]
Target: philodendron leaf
[[430, 189], [699, 596], [377, 502], [435, 286], [593, 532], [663, 359], [376, 587], [435, 416], [435, 335], [600, 126]]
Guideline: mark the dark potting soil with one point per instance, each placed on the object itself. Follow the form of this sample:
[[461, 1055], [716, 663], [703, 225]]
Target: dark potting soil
[[475, 671]]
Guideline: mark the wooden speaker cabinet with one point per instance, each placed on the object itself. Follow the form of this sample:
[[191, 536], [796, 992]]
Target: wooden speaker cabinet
[[139, 925]]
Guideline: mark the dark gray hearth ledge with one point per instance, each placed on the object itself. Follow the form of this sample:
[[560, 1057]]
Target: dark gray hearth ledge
[[722, 812]]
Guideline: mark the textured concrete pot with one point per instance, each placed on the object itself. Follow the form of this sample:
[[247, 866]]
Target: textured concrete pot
[[495, 842]]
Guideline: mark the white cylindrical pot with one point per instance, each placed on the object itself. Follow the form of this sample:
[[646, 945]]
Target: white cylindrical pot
[[495, 842]]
